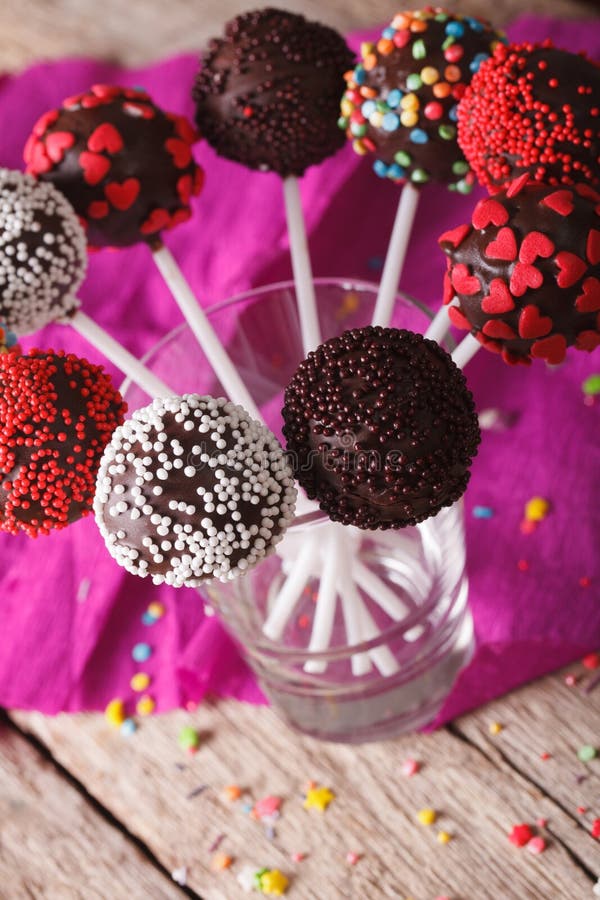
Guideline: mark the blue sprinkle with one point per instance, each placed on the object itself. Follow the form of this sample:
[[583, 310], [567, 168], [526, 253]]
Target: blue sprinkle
[[388, 33], [148, 618], [418, 136], [141, 652], [390, 122], [473, 24], [393, 99], [247, 808], [396, 172], [380, 168], [368, 108], [477, 60], [483, 512], [128, 727], [375, 263], [360, 76], [453, 114], [456, 29]]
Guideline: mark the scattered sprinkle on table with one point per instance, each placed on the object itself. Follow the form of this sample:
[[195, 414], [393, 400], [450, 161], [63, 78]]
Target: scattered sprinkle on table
[[581, 810], [410, 767], [444, 837], [271, 881], [545, 755], [483, 512], [188, 739], [427, 816], [536, 845], [220, 861], [595, 830], [570, 679], [128, 727], [298, 856], [232, 792], [139, 682], [179, 876], [520, 835], [266, 807], [141, 652], [352, 857], [587, 753], [541, 822], [591, 661], [495, 727], [145, 705], [318, 798], [115, 712]]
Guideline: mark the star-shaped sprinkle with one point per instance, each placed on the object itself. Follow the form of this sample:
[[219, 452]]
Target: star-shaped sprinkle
[[272, 881], [318, 798]]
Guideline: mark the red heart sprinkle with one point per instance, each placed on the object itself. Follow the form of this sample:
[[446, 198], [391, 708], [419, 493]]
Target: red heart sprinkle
[[463, 282], [458, 318], [515, 359], [57, 143], [455, 236], [489, 212], [106, 91], [123, 195], [105, 137], [88, 101], [496, 328], [39, 162], [553, 349], [94, 166], [584, 190], [532, 324], [499, 299], [560, 202], [488, 343], [535, 244], [589, 299], [592, 247], [158, 218], [98, 209], [180, 216], [180, 151], [184, 188], [587, 340], [448, 289], [503, 247], [44, 122], [516, 186], [524, 276], [184, 129], [572, 268]]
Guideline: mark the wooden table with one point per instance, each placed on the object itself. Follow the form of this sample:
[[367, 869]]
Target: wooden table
[[88, 813]]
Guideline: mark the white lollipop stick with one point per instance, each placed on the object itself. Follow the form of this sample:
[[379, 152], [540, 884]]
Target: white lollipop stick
[[465, 351], [118, 355], [205, 334], [440, 324], [302, 570], [382, 656], [303, 278], [351, 604], [383, 596], [320, 637], [396, 253]]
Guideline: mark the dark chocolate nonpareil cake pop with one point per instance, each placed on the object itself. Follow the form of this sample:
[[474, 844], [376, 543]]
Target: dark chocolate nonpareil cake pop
[[124, 164], [526, 271], [192, 488], [380, 427], [267, 94]]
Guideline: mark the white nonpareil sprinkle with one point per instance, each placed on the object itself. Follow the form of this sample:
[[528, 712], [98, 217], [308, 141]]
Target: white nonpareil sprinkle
[[182, 534]]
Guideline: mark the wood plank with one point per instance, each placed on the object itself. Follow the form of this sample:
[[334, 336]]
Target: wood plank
[[55, 845], [142, 30], [140, 781]]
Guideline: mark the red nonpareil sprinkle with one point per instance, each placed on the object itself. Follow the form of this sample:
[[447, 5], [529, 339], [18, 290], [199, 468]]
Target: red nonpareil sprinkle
[[536, 845], [581, 810], [595, 830], [591, 661], [520, 835], [545, 756]]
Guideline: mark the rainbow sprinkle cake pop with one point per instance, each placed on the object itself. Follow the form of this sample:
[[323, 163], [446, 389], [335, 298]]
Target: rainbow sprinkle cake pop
[[401, 100]]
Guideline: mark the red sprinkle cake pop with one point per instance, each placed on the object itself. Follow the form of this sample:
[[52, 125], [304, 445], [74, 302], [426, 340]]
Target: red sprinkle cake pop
[[532, 108], [380, 428], [401, 100], [57, 413], [125, 165], [526, 271]]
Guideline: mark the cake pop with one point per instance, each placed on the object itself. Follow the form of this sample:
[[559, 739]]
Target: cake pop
[[380, 427], [191, 488], [532, 108], [57, 413], [43, 255], [401, 100], [125, 165], [268, 92], [526, 271]]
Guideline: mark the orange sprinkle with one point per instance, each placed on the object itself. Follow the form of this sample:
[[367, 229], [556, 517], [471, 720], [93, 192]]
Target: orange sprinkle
[[401, 21], [220, 861], [441, 89], [452, 73], [385, 46], [368, 92], [232, 792], [417, 25], [369, 62]]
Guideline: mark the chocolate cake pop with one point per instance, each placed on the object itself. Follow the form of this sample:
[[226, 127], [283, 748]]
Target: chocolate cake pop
[[401, 100], [57, 413], [124, 164], [191, 488], [526, 271], [43, 255], [380, 427], [268, 92], [532, 108]]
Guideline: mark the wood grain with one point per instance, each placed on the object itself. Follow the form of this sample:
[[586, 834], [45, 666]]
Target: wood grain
[[478, 793]]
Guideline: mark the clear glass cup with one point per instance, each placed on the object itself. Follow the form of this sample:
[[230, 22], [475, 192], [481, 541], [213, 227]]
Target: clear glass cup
[[414, 633]]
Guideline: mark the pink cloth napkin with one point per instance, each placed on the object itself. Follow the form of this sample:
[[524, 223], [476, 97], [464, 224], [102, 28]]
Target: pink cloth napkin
[[69, 617]]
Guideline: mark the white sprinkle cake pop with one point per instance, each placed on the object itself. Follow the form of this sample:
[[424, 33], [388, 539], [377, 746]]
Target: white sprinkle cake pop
[[43, 255], [192, 488]]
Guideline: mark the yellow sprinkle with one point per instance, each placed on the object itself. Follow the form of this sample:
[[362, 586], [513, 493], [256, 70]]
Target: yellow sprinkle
[[366, 48], [139, 681], [318, 798], [232, 792], [376, 119], [409, 118], [220, 861], [409, 101], [156, 609], [359, 148], [115, 713], [347, 107], [427, 816], [369, 62], [495, 727], [273, 882], [429, 75], [536, 509], [145, 705], [444, 837]]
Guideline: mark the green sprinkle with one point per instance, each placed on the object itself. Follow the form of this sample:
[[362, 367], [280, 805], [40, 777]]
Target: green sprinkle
[[460, 167], [419, 50], [343, 123], [382, 106], [463, 187], [414, 82], [188, 739], [587, 753], [447, 132], [448, 42], [419, 176], [403, 158], [441, 17], [358, 130], [591, 385]]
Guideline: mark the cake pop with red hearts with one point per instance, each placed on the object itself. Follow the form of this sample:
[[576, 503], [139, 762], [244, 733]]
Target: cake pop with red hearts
[[526, 271]]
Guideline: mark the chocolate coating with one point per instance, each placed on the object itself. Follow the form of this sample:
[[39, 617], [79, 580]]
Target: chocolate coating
[[532, 108], [401, 100], [191, 488], [268, 92], [43, 255], [57, 413], [125, 165], [526, 271], [380, 428]]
